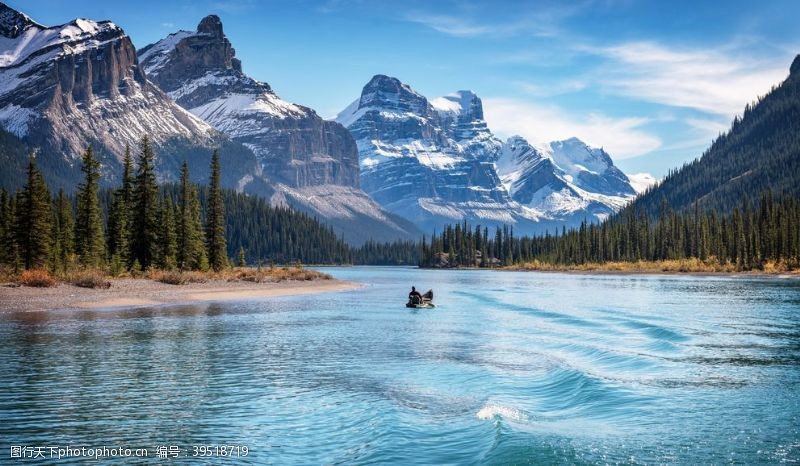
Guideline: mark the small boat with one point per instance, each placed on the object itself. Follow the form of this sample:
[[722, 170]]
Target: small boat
[[426, 302]]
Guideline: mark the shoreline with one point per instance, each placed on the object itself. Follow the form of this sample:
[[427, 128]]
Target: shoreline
[[139, 292], [600, 271]]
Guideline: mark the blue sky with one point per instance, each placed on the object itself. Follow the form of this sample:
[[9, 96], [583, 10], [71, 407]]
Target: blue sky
[[651, 82]]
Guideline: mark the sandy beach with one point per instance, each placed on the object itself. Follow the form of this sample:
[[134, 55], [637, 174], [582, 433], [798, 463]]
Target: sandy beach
[[143, 292]]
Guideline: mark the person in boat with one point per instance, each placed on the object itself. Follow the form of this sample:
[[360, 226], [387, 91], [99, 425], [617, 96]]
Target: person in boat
[[414, 297]]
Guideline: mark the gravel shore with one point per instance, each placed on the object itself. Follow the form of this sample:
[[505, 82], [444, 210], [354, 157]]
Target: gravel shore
[[142, 292]]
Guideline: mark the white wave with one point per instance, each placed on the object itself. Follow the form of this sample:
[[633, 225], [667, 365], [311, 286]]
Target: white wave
[[489, 411]]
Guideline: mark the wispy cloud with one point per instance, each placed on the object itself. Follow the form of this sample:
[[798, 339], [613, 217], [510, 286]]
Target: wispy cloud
[[168, 25], [621, 137], [452, 25], [544, 20], [549, 90], [715, 81]]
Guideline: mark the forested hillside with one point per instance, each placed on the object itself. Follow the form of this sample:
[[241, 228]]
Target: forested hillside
[[761, 151]]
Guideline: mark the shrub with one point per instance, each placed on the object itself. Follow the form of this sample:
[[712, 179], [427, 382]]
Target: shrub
[[39, 278], [170, 277], [175, 277], [90, 279]]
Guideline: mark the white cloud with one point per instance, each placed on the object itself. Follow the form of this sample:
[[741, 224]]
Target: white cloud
[[542, 21], [566, 86], [621, 137], [451, 25], [710, 80]]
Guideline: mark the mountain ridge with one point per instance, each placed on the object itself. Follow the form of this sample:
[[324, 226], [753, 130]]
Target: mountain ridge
[[437, 161], [309, 163]]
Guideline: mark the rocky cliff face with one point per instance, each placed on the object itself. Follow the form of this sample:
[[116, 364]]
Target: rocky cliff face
[[429, 163], [295, 146], [307, 162], [65, 87], [567, 180], [437, 161]]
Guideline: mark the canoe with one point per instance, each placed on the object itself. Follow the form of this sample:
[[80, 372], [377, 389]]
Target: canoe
[[421, 306]]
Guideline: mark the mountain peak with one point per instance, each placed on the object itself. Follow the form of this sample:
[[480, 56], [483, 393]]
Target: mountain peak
[[794, 70], [464, 104], [192, 53], [384, 83], [212, 25], [389, 93], [13, 22]]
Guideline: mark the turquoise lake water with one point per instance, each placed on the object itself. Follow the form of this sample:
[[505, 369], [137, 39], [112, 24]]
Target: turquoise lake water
[[510, 368]]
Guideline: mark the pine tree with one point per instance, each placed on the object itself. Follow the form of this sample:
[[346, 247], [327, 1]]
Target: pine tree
[[215, 219], [63, 237], [10, 252], [191, 254], [33, 218], [166, 240], [242, 262], [119, 227], [89, 240], [7, 241], [144, 221]]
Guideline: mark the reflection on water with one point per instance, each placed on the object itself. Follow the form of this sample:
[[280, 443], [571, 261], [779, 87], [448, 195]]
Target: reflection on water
[[509, 368]]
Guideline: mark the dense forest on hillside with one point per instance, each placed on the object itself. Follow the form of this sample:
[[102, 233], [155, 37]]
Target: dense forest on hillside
[[757, 232], [761, 151]]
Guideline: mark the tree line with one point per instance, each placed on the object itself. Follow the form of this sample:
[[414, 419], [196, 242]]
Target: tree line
[[141, 229], [758, 231]]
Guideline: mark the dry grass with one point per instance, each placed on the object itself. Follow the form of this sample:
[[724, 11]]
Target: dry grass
[[96, 278], [238, 274], [274, 274], [177, 277], [692, 265], [89, 279], [39, 278]]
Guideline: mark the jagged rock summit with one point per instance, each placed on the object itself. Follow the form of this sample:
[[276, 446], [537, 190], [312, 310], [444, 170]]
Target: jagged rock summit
[[437, 161], [430, 163], [306, 162], [65, 87]]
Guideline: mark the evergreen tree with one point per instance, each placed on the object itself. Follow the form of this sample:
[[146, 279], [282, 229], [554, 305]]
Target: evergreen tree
[[167, 241], [144, 222], [119, 227], [215, 220], [7, 240], [63, 239], [33, 217], [89, 240], [242, 262], [191, 253]]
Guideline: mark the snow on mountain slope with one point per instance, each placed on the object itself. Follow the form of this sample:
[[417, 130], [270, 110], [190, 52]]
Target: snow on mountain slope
[[430, 163], [641, 181], [437, 161], [564, 179], [309, 163], [68, 86]]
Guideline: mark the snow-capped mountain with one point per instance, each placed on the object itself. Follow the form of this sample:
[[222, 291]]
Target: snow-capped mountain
[[436, 161], [307, 162], [431, 162], [567, 180], [65, 87]]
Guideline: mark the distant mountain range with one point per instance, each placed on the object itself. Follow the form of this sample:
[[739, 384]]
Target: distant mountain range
[[391, 166], [436, 161]]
